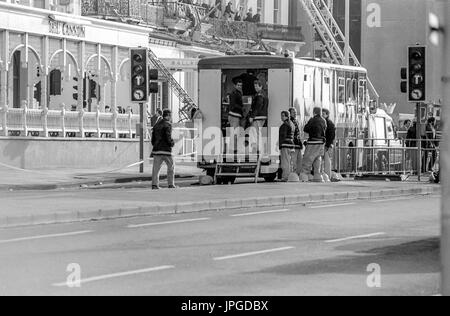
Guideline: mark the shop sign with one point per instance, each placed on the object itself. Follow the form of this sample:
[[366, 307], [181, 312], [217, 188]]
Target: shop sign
[[66, 29]]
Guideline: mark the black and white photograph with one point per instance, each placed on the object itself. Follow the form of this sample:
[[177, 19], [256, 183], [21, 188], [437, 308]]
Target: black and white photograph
[[224, 156]]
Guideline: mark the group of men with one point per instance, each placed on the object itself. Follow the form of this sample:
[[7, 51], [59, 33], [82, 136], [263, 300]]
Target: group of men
[[256, 118], [308, 165]]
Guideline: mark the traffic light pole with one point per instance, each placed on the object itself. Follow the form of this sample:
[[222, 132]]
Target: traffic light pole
[[141, 138], [419, 142], [445, 159]]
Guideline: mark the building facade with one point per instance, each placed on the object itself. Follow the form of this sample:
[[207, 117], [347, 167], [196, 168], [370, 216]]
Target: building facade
[[380, 33]]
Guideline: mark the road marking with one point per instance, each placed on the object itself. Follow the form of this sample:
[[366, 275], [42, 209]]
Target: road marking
[[45, 236], [392, 199], [117, 275], [355, 237], [259, 213], [171, 222], [248, 254], [332, 205]]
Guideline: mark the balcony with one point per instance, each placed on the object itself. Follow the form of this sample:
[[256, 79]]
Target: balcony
[[180, 18], [127, 11]]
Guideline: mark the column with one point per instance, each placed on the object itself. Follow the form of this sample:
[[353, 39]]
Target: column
[[45, 69]]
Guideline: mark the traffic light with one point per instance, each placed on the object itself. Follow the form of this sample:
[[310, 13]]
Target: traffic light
[[139, 81], [417, 74], [404, 82], [153, 86]]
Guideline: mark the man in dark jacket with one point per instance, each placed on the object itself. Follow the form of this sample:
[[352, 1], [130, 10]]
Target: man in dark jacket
[[411, 154], [163, 143], [315, 148], [236, 114], [330, 136], [298, 145], [286, 144], [258, 116]]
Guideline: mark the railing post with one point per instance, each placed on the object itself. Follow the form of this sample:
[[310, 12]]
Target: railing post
[[130, 115], [4, 114], [45, 121], [115, 116], [97, 119], [63, 123], [24, 120], [419, 160], [81, 118]]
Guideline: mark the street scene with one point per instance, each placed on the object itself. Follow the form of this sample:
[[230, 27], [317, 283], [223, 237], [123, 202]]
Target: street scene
[[234, 149]]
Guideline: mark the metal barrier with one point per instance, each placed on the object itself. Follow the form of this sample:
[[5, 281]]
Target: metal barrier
[[383, 156]]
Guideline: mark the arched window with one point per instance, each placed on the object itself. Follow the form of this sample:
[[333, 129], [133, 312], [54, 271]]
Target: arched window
[[55, 82]]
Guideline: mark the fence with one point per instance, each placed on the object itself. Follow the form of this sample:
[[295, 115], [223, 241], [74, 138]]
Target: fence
[[64, 124], [382, 156]]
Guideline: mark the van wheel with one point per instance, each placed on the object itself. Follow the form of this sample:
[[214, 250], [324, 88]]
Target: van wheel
[[270, 177]]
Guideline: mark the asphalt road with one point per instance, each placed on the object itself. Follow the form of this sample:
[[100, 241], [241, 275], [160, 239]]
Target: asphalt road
[[312, 250]]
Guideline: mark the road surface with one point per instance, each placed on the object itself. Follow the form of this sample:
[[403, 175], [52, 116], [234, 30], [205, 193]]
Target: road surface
[[302, 250]]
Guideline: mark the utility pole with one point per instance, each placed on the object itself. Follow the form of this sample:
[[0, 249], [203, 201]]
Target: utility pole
[[347, 32], [445, 157], [141, 137]]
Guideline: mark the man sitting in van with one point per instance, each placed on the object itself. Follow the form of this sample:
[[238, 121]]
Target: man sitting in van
[[315, 148]]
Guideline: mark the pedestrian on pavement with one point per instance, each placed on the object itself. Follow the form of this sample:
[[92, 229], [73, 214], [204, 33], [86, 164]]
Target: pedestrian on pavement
[[297, 156], [286, 144], [258, 116], [403, 132], [315, 148], [431, 144], [156, 118], [163, 143], [330, 136], [411, 142]]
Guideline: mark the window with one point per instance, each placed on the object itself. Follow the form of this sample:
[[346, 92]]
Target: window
[[341, 90], [307, 87], [55, 82], [277, 12], [361, 95]]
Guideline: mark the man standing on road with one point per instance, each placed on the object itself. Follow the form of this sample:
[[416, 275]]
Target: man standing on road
[[286, 143], [330, 136], [297, 158], [315, 148], [162, 150]]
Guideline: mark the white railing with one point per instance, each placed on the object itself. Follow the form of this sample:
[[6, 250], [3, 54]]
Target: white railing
[[65, 124]]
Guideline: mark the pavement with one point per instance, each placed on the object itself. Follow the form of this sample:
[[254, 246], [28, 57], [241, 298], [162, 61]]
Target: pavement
[[12, 178], [383, 246], [23, 208]]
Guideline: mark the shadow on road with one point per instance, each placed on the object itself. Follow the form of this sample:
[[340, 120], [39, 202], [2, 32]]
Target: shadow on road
[[416, 257]]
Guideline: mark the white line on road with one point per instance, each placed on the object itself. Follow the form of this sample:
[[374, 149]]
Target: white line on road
[[45, 236], [355, 237], [332, 205], [117, 275], [260, 213], [171, 222], [248, 254]]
